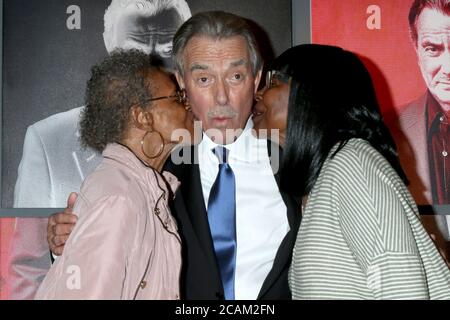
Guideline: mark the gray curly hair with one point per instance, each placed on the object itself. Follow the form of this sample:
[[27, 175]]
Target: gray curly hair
[[117, 83]]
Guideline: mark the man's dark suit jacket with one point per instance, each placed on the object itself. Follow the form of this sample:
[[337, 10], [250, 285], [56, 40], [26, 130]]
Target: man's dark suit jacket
[[200, 277]]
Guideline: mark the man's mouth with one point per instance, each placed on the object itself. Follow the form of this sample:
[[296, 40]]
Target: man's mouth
[[221, 118]]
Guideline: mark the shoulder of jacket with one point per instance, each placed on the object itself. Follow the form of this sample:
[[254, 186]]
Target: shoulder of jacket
[[356, 153], [411, 113], [68, 119]]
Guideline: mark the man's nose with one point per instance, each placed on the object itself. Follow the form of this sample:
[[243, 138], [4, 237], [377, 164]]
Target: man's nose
[[221, 92], [445, 67], [149, 45]]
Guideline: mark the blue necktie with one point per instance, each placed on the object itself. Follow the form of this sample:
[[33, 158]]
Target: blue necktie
[[222, 221]]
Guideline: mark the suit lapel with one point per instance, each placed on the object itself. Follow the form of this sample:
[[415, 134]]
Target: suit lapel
[[409, 132], [86, 162], [284, 253], [84, 159], [194, 204], [421, 128]]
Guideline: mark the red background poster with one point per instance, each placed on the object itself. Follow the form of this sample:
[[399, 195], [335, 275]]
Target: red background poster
[[378, 32], [6, 229]]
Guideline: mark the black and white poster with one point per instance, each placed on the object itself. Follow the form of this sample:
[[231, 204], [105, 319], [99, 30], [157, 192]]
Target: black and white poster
[[49, 47]]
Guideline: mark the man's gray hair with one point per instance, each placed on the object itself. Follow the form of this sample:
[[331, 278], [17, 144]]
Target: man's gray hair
[[416, 9], [215, 25], [149, 7]]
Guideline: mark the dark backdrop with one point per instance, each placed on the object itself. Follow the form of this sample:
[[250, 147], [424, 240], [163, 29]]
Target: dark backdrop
[[46, 65]]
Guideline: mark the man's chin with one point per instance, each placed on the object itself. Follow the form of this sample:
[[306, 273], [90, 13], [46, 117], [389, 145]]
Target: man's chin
[[443, 98], [224, 135]]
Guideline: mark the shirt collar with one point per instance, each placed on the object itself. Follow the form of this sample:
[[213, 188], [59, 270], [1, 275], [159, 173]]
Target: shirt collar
[[435, 114], [245, 148]]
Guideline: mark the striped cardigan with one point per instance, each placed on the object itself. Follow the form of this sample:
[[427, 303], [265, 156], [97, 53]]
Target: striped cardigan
[[361, 237]]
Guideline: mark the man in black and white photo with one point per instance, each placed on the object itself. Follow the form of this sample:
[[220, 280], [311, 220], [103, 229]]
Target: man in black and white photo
[[53, 162]]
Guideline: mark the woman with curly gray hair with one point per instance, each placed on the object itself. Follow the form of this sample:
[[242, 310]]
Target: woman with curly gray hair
[[125, 244]]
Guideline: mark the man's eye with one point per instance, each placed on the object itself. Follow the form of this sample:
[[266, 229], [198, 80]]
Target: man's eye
[[237, 77], [139, 40], [203, 80], [432, 50]]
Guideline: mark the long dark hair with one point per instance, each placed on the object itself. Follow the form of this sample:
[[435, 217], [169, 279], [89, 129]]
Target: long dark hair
[[331, 100]]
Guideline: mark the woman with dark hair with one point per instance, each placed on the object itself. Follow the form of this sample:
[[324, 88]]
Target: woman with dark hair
[[125, 244], [360, 235]]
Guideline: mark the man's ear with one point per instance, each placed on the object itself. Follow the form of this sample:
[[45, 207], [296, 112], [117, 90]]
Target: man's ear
[[257, 79], [142, 119], [180, 80]]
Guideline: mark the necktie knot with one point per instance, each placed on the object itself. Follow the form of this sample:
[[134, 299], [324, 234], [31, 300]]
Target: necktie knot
[[221, 154]]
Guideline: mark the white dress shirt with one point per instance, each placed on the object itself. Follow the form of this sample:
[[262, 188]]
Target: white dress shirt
[[261, 215]]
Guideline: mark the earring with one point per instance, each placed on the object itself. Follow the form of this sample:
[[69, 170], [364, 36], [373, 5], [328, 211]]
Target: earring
[[161, 147], [182, 95], [184, 99]]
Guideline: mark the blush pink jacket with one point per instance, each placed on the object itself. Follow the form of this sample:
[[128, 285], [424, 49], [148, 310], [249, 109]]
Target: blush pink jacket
[[125, 243]]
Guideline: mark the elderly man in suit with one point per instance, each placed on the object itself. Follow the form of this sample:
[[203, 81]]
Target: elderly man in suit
[[53, 162], [237, 228], [422, 131]]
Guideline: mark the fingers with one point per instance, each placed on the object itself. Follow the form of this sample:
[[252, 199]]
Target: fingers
[[57, 236], [60, 241], [59, 227], [62, 229], [65, 217], [57, 251], [71, 200], [50, 240]]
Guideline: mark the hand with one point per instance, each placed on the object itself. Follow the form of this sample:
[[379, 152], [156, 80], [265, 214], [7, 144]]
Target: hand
[[60, 225]]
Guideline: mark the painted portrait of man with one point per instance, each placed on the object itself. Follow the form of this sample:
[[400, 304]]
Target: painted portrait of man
[[421, 128], [409, 62], [423, 124]]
